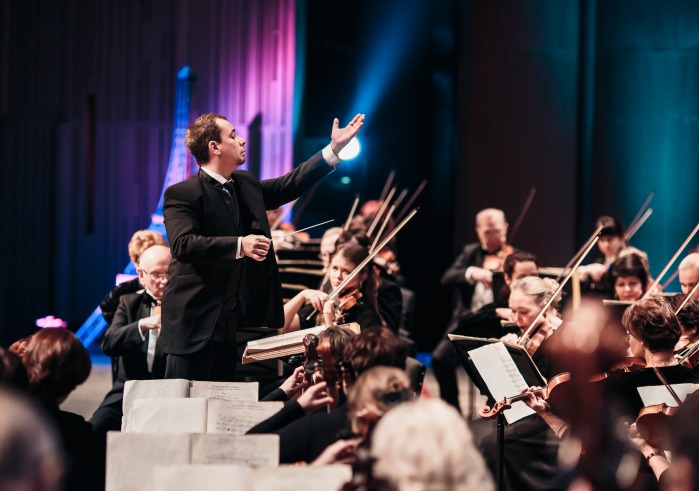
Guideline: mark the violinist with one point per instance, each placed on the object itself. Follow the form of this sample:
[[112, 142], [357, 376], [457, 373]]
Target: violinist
[[609, 245], [629, 277], [487, 321], [356, 303], [689, 321], [689, 273], [471, 283]]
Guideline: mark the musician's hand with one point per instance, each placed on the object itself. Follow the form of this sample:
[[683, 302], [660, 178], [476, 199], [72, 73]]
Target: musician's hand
[[594, 271], [329, 313], [147, 323], [294, 383], [504, 313], [340, 137], [340, 452], [638, 441], [535, 401], [510, 338], [255, 247], [481, 275], [315, 298], [315, 397]]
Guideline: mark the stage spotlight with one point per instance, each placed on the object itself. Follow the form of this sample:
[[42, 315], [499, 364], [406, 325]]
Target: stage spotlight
[[351, 151]]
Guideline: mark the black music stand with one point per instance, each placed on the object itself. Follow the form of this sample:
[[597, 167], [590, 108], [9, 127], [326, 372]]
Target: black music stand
[[526, 366]]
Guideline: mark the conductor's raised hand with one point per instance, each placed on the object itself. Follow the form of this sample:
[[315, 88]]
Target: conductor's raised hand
[[255, 246], [340, 137]]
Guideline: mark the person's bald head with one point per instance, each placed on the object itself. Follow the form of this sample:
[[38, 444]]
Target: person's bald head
[[491, 228], [153, 274], [689, 273]]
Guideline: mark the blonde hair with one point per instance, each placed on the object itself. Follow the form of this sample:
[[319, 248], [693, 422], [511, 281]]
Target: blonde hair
[[142, 240], [690, 262], [426, 445], [372, 385], [540, 289]]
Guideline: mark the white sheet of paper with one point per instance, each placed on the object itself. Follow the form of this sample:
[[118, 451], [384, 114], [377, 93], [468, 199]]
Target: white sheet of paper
[[168, 416], [231, 391], [204, 477], [295, 478], [248, 450], [658, 394], [237, 417], [502, 377], [131, 457], [151, 389]]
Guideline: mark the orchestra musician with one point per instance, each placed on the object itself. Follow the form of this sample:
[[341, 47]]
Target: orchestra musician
[[689, 273], [356, 303], [472, 285], [629, 277]]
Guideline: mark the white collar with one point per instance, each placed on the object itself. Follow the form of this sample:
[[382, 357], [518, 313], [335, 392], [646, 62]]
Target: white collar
[[218, 177]]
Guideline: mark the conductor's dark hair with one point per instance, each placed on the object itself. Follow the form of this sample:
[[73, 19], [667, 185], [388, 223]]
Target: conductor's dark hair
[[203, 130]]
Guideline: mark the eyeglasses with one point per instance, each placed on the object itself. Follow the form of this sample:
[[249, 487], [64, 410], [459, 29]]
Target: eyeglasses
[[155, 276]]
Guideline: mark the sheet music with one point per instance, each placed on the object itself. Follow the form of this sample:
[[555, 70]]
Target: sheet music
[[295, 478], [168, 416], [248, 450], [658, 394], [131, 457], [283, 339], [237, 417], [231, 391], [208, 477], [151, 389], [501, 375]]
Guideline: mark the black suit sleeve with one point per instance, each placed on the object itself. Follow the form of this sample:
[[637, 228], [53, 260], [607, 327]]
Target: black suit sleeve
[[290, 186], [456, 274], [122, 335], [291, 411]]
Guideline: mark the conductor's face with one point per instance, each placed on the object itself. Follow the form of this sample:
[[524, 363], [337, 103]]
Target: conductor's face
[[231, 150]]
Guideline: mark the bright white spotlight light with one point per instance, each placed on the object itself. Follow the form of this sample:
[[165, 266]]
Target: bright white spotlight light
[[351, 150]]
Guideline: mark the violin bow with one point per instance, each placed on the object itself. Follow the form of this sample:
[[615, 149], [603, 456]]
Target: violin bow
[[368, 259], [576, 257], [522, 214], [591, 242], [672, 260], [351, 213], [412, 199], [630, 232], [387, 186], [383, 226], [384, 205], [687, 298], [663, 380]]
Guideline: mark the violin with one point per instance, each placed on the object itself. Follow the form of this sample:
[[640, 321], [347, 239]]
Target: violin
[[627, 365], [346, 303], [494, 261], [651, 423], [552, 394], [319, 357]]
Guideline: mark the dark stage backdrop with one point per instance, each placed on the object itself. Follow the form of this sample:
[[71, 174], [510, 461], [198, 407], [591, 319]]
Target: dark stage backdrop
[[594, 103]]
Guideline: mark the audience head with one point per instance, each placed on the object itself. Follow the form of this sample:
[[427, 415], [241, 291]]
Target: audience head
[[528, 295], [610, 236], [12, 372], [30, 457], [376, 391], [629, 277], [142, 240], [689, 273], [426, 445], [491, 228], [56, 363], [652, 325], [153, 269], [519, 265]]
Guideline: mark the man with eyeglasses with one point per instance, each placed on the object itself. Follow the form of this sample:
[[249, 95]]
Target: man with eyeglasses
[[133, 336]]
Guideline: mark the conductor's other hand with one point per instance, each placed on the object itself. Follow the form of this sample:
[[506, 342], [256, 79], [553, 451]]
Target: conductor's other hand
[[255, 246], [340, 137]]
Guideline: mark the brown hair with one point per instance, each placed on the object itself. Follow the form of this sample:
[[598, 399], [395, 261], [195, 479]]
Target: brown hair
[[339, 337], [355, 254], [56, 363], [652, 321], [12, 371], [202, 131], [373, 347], [142, 240]]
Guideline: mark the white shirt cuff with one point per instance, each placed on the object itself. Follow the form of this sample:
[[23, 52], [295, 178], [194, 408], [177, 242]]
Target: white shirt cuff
[[140, 331], [330, 156], [239, 249], [469, 272]]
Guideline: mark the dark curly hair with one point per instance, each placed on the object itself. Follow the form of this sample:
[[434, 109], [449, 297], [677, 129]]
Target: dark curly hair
[[653, 322], [56, 363], [203, 130], [508, 266], [376, 346]]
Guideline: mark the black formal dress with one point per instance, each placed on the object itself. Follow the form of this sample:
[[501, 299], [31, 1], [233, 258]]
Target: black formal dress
[[211, 292]]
